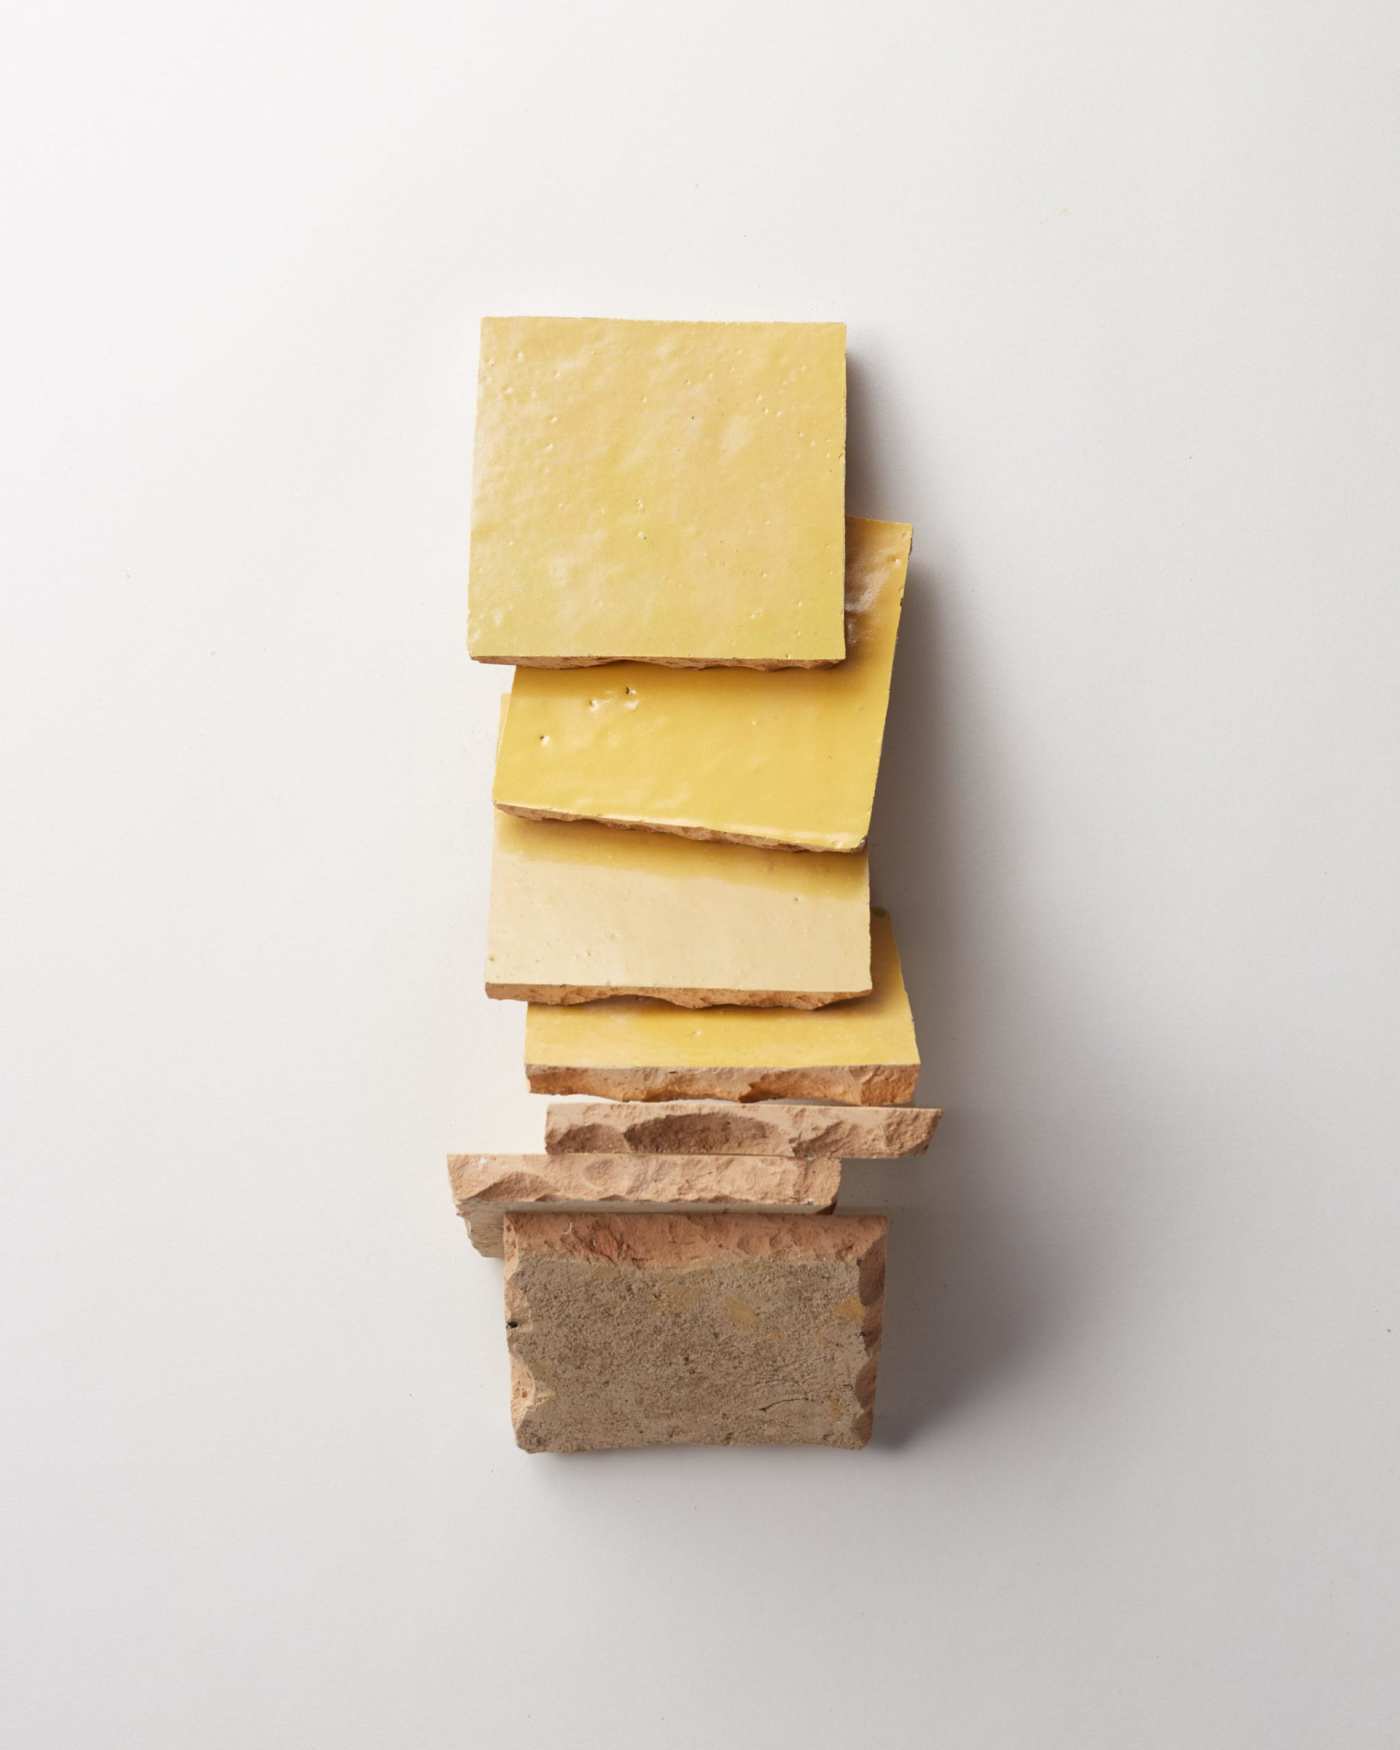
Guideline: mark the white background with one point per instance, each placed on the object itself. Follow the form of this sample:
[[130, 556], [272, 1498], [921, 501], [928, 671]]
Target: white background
[[1121, 283]]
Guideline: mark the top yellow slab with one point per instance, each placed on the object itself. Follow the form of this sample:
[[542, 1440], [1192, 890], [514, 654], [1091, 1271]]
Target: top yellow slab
[[766, 759], [658, 491]]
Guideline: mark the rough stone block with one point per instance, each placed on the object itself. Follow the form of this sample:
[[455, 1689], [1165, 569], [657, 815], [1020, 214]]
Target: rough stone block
[[659, 1330]]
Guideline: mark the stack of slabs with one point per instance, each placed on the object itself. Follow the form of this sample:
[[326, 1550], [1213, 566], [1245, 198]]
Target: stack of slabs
[[685, 770]]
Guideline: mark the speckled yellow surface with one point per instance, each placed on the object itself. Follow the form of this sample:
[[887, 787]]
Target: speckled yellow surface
[[666, 491], [774, 758]]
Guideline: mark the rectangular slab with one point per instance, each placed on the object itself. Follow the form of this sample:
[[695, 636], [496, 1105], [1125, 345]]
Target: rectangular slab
[[860, 1133], [487, 1187], [581, 911], [861, 1053], [715, 1330], [663, 491], [766, 759]]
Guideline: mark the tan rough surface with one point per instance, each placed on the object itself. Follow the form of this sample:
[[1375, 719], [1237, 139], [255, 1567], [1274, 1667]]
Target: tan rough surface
[[869, 1084], [485, 1187], [718, 1127], [718, 1330]]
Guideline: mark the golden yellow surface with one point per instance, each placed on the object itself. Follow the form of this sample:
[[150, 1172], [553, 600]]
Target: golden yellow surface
[[637, 1034], [579, 905], [787, 757], [658, 491]]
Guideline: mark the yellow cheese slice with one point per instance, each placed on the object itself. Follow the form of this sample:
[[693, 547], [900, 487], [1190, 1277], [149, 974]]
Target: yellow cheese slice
[[861, 1053], [774, 759], [581, 911], [662, 491]]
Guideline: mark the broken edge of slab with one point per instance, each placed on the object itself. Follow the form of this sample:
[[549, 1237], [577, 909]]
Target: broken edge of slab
[[838, 844], [680, 996], [485, 1188], [801, 1131], [867, 1084], [661, 661]]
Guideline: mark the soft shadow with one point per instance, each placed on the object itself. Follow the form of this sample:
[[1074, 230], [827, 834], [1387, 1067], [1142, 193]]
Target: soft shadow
[[866, 487], [980, 1283], [967, 1300]]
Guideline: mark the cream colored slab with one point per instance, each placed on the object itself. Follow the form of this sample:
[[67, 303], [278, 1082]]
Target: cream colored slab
[[662, 491], [858, 1133], [486, 1187], [861, 1053], [654, 1330], [580, 911], [768, 759]]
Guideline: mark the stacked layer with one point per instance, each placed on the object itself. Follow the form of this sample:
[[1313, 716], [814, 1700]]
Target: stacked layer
[[684, 782]]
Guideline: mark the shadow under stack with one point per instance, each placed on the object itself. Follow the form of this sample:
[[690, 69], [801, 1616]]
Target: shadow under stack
[[703, 643]]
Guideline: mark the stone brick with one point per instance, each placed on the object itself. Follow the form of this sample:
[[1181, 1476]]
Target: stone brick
[[659, 1330]]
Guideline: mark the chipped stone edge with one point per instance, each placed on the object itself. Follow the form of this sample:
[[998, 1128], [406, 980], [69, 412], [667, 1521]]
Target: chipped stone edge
[[485, 1223], [870, 1281], [867, 1084], [755, 662], [681, 996], [592, 1128], [839, 844], [484, 1217]]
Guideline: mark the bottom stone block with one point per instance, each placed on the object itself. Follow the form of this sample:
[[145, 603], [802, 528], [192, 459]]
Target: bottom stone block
[[717, 1330]]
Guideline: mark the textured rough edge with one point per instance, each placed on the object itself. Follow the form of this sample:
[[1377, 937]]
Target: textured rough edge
[[683, 832], [661, 661], [680, 996], [596, 1365], [721, 1128], [486, 1187], [867, 1084]]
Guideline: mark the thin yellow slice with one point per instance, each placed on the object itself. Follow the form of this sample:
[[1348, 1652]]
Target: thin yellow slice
[[660, 491], [784, 758], [581, 911], [858, 1053]]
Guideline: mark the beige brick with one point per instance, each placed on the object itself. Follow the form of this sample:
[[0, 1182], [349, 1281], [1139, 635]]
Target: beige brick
[[485, 1187], [659, 1330], [723, 1127]]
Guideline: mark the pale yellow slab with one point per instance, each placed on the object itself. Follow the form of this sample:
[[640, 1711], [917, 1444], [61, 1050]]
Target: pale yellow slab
[[772, 759], [662, 491], [861, 1053], [580, 911]]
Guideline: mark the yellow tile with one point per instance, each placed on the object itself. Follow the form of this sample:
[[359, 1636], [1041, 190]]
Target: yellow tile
[[581, 911], [662, 491], [862, 1052], [770, 758]]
